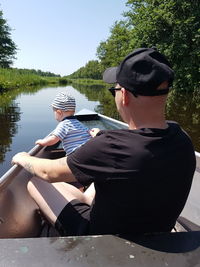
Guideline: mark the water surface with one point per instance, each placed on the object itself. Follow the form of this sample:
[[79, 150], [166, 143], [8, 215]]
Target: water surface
[[29, 117], [26, 115]]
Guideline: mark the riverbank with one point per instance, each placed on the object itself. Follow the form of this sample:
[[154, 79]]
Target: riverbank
[[87, 82], [15, 78]]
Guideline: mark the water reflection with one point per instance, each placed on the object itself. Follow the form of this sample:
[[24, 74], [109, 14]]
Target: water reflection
[[185, 109], [107, 104], [25, 114], [181, 107], [8, 116]]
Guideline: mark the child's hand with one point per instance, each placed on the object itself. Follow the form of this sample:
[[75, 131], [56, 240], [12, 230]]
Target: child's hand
[[40, 142], [93, 132], [47, 141]]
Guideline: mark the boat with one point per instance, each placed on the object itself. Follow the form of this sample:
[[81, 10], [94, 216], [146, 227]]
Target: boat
[[23, 241]]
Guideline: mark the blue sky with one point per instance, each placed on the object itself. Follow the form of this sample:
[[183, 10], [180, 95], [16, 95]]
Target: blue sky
[[59, 36]]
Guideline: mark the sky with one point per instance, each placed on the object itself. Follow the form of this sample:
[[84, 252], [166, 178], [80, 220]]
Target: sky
[[59, 36]]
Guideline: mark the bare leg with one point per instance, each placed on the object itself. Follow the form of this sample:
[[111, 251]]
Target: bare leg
[[89, 194], [52, 198]]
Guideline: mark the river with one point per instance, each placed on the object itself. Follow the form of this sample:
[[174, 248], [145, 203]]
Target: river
[[26, 115]]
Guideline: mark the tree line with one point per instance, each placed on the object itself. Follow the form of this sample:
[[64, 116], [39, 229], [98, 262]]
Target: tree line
[[36, 72], [172, 26]]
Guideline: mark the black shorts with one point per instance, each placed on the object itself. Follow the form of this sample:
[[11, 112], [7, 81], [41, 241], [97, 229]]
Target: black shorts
[[74, 219]]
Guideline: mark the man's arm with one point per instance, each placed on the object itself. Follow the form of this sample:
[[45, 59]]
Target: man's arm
[[49, 170]]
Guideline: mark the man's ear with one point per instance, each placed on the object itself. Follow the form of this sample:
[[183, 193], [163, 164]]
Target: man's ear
[[125, 96]]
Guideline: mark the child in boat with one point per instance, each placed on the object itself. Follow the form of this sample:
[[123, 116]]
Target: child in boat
[[69, 130]]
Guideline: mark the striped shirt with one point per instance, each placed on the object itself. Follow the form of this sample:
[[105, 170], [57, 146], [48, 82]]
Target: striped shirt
[[72, 133]]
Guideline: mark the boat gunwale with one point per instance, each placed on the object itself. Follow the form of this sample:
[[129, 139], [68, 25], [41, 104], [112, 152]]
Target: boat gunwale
[[7, 178]]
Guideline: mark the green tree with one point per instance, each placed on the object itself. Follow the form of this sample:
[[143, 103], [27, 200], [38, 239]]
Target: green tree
[[7, 46], [173, 26], [91, 70], [112, 51]]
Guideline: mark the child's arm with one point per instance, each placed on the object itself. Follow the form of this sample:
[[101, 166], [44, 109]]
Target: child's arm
[[47, 141], [93, 132]]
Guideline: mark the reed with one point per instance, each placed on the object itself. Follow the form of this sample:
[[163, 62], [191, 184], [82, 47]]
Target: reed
[[13, 78], [16, 78], [89, 82]]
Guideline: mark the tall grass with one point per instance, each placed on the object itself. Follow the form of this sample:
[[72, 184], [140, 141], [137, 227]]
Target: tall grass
[[16, 78], [89, 82], [13, 78]]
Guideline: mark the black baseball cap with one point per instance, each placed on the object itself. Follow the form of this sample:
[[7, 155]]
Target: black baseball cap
[[141, 72]]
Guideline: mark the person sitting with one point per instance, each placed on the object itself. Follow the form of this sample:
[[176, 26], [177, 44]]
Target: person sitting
[[141, 176], [69, 130]]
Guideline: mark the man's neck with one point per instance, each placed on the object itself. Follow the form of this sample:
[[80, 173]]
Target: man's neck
[[148, 121], [158, 125], [146, 112]]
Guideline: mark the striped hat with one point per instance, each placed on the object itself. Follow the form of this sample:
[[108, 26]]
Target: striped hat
[[64, 102]]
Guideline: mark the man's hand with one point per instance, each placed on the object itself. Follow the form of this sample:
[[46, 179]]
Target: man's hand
[[19, 157], [50, 170], [23, 159], [48, 141]]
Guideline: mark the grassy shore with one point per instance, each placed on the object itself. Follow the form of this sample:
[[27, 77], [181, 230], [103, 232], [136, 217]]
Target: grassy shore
[[87, 82], [84, 82], [12, 78]]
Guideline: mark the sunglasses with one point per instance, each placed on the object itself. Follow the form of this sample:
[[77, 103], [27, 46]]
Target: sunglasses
[[113, 89]]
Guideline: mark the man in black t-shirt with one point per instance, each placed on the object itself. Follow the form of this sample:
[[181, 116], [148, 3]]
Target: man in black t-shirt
[[139, 178]]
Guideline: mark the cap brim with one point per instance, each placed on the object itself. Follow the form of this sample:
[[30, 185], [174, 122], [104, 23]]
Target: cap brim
[[109, 75]]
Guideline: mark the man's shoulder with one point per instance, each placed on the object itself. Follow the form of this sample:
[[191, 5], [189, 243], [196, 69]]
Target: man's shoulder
[[172, 123], [175, 127]]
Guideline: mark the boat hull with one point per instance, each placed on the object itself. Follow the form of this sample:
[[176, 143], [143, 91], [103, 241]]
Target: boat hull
[[19, 216]]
